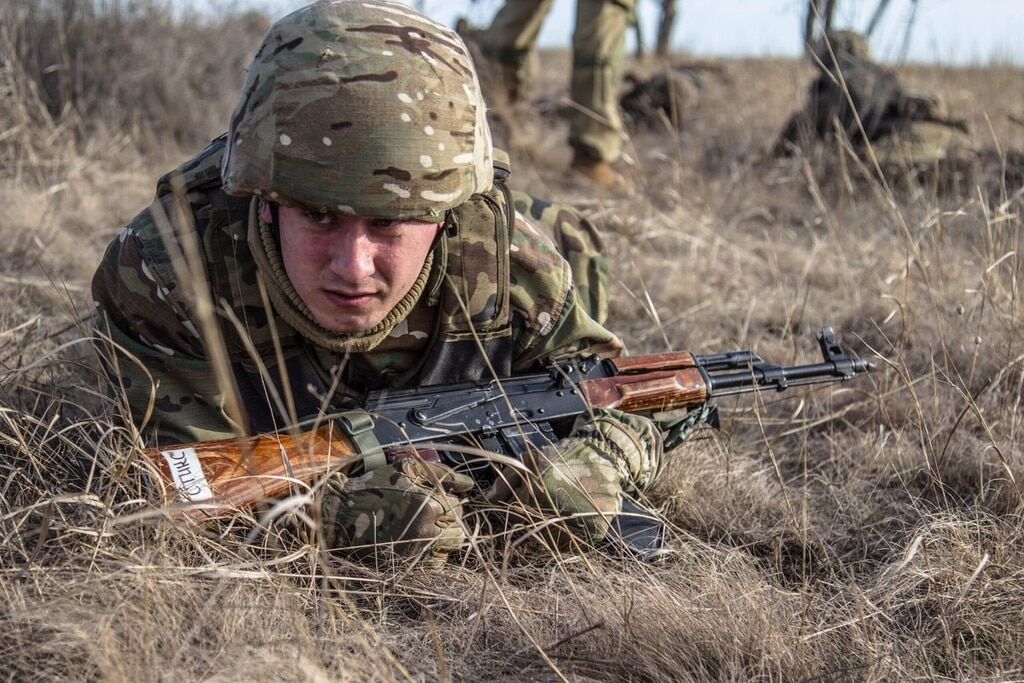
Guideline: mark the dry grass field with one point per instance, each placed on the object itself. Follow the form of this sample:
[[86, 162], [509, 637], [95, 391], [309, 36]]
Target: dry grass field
[[871, 531]]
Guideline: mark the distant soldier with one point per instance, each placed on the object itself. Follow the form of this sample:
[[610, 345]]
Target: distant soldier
[[667, 95], [596, 132], [866, 102]]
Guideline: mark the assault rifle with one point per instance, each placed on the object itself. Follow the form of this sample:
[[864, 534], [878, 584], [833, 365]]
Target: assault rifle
[[508, 416]]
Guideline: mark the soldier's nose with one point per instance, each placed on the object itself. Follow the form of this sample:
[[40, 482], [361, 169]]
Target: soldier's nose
[[352, 256]]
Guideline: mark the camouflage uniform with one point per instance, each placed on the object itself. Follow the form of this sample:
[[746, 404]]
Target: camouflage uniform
[[599, 55], [545, 312], [494, 295], [900, 125]]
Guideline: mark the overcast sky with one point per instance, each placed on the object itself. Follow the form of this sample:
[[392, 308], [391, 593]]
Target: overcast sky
[[952, 31]]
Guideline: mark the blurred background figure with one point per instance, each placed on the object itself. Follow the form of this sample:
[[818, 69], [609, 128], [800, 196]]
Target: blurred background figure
[[596, 132], [665, 26], [856, 97]]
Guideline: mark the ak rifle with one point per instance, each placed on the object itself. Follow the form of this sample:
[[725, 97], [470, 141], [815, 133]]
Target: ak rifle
[[508, 416]]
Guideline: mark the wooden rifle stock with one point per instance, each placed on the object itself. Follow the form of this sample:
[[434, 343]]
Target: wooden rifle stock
[[233, 474], [677, 360], [648, 392]]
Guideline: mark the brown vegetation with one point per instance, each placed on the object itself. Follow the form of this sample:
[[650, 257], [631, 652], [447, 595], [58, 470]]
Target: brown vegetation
[[872, 531]]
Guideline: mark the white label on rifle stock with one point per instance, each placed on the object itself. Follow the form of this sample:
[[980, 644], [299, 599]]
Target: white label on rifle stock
[[188, 474]]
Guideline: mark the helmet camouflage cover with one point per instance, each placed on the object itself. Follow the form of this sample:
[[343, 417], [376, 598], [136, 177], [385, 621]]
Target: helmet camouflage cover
[[364, 107], [846, 45]]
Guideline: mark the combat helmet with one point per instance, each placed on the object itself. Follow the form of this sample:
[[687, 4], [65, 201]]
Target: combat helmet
[[364, 107], [846, 45]]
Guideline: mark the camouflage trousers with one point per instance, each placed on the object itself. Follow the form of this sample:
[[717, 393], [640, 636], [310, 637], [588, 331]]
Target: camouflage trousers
[[599, 54]]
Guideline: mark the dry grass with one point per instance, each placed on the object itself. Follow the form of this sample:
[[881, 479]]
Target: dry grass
[[870, 532]]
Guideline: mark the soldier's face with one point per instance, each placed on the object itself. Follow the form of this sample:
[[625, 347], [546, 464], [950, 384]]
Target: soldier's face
[[350, 271]]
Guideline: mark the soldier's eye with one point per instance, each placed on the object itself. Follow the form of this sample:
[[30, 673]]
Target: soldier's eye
[[318, 217], [383, 223]]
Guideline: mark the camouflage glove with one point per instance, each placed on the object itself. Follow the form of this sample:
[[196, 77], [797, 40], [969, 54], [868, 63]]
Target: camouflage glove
[[634, 442], [581, 478], [400, 509]]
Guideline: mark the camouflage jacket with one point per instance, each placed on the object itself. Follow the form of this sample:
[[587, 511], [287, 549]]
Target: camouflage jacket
[[522, 305]]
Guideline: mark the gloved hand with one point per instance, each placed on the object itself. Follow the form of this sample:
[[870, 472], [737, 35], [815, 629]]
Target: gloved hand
[[582, 477], [396, 510], [635, 441]]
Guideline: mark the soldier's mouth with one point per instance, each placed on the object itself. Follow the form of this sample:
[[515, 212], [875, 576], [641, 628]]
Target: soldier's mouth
[[354, 300]]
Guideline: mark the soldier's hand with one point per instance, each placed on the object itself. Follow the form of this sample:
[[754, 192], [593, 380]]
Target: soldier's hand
[[632, 442], [581, 479], [409, 508]]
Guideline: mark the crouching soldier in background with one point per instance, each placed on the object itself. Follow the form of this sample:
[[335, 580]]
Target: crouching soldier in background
[[853, 92], [357, 233]]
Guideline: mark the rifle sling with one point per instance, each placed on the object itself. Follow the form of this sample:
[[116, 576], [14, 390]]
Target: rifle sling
[[358, 424]]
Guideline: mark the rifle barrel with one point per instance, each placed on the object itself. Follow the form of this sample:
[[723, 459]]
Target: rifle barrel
[[779, 378]]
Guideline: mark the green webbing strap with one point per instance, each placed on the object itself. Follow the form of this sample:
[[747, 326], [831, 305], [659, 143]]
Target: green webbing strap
[[358, 424], [677, 429]]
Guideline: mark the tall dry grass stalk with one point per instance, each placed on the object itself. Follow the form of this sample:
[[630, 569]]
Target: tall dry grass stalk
[[869, 532]]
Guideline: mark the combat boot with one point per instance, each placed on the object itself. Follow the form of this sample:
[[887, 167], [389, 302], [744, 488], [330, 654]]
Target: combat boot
[[598, 171]]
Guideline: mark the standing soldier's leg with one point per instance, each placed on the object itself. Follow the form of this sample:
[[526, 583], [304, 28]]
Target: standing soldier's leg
[[599, 53], [668, 20], [510, 41]]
